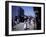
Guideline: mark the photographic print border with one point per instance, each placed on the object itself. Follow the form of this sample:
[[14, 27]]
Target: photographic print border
[[7, 17]]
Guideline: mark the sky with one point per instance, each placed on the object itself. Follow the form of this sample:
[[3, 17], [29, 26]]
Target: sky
[[28, 10]]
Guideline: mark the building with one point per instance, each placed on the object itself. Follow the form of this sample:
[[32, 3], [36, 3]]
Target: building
[[38, 17]]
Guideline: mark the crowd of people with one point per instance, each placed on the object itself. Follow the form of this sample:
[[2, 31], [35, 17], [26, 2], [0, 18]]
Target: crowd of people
[[27, 20]]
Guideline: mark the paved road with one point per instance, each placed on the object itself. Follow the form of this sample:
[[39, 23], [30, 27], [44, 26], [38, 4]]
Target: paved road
[[21, 27]]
